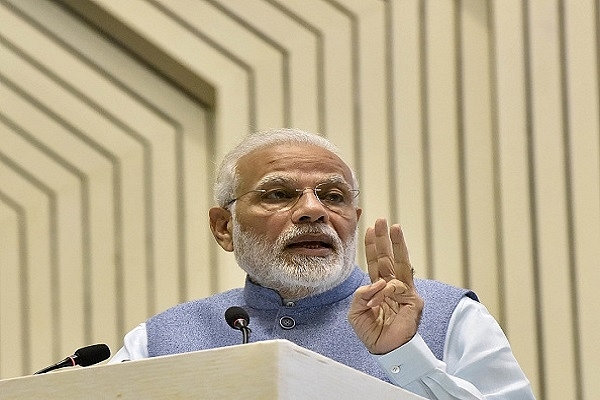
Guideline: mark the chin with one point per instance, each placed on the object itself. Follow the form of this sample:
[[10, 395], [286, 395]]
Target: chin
[[321, 282]]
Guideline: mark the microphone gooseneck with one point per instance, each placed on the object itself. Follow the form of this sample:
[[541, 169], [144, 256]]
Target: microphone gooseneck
[[238, 319], [84, 356]]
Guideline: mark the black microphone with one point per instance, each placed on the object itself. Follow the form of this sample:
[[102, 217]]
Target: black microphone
[[238, 318], [85, 356]]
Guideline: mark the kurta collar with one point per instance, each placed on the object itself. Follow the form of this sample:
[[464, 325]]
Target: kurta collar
[[260, 297]]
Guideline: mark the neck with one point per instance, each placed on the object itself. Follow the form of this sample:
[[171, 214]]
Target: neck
[[288, 294]]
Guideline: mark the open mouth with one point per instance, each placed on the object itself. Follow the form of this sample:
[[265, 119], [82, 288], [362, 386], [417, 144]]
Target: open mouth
[[311, 243]]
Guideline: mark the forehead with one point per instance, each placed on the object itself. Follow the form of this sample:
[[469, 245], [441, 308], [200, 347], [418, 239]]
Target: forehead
[[305, 163]]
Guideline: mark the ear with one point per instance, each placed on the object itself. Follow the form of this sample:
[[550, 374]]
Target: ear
[[358, 214], [221, 228]]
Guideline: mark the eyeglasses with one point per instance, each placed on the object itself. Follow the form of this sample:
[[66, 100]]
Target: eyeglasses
[[336, 196]]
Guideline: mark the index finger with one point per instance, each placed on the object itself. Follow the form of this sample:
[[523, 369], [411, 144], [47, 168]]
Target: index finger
[[379, 252], [402, 266], [371, 254]]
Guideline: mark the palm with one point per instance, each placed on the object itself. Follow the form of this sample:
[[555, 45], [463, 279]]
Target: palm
[[386, 314]]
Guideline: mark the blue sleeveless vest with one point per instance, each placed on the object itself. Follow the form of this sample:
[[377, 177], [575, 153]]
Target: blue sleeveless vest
[[319, 322]]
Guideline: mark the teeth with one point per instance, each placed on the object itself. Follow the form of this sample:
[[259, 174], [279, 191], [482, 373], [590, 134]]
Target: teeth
[[309, 245], [312, 246]]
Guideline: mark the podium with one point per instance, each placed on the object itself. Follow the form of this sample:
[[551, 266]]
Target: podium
[[275, 369]]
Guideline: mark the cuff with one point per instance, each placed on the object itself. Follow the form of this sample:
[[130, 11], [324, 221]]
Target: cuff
[[408, 362]]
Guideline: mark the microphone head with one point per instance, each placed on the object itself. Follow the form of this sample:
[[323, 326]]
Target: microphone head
[[92, 354], [234, 314]]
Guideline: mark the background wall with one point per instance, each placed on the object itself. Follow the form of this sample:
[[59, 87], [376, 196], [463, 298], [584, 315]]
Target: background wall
[[473, 123]]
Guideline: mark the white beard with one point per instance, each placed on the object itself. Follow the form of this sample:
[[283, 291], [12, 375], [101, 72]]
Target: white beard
[[270, 266]]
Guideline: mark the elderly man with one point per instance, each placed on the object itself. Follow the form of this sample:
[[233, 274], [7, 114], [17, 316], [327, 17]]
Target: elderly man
[[287, 208]]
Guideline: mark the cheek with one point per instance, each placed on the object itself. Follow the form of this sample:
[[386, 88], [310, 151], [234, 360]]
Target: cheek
[[346, 229], [269, 227]]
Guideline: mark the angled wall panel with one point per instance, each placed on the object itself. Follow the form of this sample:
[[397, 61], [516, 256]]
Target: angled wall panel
[[106, 137]]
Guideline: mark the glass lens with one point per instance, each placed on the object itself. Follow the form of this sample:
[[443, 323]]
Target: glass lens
[[335, 196], [278, 198]]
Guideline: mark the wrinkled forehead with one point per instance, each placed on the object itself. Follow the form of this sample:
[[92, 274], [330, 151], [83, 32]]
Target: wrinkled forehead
[[302, 164]]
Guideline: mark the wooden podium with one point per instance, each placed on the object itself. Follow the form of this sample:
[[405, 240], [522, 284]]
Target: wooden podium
[[275, 369]]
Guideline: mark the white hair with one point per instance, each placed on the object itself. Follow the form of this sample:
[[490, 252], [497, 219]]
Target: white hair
[[227, 177]]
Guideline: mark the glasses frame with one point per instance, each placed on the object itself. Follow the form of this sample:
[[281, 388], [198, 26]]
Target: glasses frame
[[354, 194]]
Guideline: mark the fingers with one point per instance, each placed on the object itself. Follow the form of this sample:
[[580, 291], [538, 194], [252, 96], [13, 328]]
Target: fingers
[[371, 254], [387, 253], [402, 266], [394, 290], [378, 249], [364, 295], [376, 293]]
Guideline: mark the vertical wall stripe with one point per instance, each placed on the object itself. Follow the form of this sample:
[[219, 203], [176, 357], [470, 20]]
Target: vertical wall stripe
[[390, 105], [150, 230], [460, 129], [213, 259], [597, 25], [23, 289], [424, 63], [572, 284], [55, 286], [496, 154], [181, 217], [532, 197], [86, 262]]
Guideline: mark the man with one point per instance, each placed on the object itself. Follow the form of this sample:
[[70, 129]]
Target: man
[[287, 208]]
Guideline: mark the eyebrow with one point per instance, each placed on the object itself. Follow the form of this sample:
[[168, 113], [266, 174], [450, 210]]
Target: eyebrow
[[335, 179], [286, 180], [271, 179]]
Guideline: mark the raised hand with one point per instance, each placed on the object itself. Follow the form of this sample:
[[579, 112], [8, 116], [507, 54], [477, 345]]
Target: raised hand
[[386, 314]]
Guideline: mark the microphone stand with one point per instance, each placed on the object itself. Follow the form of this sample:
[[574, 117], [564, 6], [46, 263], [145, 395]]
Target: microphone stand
[[245, 334]]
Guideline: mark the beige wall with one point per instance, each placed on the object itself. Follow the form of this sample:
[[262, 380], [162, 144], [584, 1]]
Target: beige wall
[[473, 123]]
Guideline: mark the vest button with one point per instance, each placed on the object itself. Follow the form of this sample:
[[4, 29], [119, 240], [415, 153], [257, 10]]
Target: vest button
[[287, 322]]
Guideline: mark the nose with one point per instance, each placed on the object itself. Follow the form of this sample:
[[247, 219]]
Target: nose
[[308, 208]]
